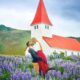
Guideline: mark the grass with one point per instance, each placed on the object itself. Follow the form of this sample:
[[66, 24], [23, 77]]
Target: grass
[[13, 42]]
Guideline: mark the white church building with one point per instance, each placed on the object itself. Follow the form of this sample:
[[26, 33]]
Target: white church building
[[41, 28]]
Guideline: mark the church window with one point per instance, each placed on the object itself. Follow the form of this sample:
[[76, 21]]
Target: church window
[[36, 27], [46, 27]]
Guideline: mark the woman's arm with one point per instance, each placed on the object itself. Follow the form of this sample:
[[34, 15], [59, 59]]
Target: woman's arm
[[34, 40], [39, 45]]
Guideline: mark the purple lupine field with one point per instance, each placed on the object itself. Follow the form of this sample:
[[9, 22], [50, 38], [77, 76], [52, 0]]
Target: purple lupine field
[[20, 68]]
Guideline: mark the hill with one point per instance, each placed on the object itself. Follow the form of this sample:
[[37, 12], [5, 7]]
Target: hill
[[77, 38], [5, 28], [12, 41]]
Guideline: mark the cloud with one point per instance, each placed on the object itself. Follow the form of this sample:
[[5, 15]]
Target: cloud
[[18, 4], [64, 15], [69, 9], [16, 19], [65, 27]]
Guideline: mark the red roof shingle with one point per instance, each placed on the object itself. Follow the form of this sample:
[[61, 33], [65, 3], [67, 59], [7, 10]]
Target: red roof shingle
[[62, 42]]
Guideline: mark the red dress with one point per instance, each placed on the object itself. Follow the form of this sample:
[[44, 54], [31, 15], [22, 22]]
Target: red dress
[[43, 66]]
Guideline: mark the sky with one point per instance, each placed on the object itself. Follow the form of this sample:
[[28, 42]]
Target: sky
[[64, 15]]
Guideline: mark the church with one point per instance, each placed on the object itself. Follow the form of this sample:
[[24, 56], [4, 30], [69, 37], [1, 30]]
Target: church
[[41, 29]]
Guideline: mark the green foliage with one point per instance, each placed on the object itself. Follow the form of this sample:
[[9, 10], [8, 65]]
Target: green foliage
[[30, 66], [5, 76], [2, 47], [62, 54], [70, 78], [61, 69], [54, 53], [51, 57], [67, 58], [22, 67], [56, 67]]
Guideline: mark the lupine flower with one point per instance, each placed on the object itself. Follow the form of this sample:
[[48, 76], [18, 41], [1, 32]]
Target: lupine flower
[[74, 57], [78, 63], [65, 75], [58, 74], [78, 78], [47, 76], [53, 73], [18, 68]]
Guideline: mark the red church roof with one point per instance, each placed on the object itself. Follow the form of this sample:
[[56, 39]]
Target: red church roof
[[41, 15], [63, 43]]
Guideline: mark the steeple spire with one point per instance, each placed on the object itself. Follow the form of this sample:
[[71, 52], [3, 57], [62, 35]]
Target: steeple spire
[[41, 15]]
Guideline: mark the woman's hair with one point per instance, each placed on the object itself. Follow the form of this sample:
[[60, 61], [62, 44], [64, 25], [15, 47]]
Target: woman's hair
[[27, 44]]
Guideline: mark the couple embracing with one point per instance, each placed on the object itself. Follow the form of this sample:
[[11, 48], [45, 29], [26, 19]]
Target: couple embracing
[[39, 59]]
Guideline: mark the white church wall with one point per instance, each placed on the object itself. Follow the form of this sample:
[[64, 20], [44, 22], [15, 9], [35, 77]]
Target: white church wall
[[41, 30], [67, 52], [47, 50], [45, 30], [38, 33]]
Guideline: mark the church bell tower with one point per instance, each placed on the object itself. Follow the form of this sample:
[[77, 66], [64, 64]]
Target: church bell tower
[[41, 25]]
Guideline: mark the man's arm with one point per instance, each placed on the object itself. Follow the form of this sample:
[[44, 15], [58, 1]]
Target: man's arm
[[34, 55], [27, 52]]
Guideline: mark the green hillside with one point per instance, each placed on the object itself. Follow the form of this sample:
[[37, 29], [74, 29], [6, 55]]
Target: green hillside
[[12, 41]]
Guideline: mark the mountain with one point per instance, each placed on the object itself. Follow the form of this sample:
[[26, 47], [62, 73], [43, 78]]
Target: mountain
[[5, 28], [13, 41], [77, 38]]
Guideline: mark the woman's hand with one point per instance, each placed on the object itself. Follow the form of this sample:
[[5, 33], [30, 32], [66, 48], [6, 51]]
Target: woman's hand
[[34, 40]]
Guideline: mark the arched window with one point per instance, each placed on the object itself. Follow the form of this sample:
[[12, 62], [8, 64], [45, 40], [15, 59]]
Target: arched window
[[72, 53], [46, 27], [78, 54], [36, 27]]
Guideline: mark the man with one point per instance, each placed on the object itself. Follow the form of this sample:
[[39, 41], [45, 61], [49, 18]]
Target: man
[[43, 65]]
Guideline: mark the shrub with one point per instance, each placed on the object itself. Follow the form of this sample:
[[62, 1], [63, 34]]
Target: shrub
[[61, 69], [62, 54], [67, 58], [51, 57], [6, 75]]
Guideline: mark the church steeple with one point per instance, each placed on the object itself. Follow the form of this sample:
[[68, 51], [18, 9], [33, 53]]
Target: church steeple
[[41, 15], [40, 25]]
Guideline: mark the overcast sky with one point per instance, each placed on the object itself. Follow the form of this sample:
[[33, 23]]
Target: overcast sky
[[64, 15]]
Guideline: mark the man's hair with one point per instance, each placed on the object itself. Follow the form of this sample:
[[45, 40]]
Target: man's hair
[[27, 44]]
